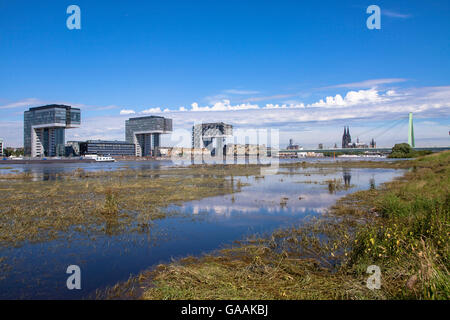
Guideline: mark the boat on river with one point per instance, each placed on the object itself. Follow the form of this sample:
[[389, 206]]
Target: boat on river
[[98, 158]]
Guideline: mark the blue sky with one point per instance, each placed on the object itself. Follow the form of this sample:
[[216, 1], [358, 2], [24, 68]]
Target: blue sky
[[265, 64]]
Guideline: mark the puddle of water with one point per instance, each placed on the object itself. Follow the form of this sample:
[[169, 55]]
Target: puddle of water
[[38, 271]]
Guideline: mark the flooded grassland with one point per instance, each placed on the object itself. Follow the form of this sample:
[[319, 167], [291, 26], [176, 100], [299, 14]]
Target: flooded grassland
[[402, 227], [117, 224]]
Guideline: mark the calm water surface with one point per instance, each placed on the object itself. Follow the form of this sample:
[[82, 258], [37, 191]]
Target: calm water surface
[[48, 171], [38, 271]]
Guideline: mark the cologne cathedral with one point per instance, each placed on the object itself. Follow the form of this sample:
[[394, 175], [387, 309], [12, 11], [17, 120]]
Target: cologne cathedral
[[347, 141], [346, 138]]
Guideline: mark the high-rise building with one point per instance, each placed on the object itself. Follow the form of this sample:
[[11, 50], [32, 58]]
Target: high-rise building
[[73, 148], [1, 146], [44, 129], [145, 133], [204, 135]]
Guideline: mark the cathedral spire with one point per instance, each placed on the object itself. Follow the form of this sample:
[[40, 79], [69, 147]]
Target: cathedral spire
[[345, 138]]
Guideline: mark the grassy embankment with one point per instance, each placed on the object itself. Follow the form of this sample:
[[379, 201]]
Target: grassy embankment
[[402, 227]]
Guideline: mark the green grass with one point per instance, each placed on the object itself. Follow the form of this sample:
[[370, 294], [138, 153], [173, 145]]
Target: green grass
[[411, 238]]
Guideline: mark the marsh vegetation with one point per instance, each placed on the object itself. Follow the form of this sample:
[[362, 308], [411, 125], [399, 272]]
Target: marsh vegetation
[[102, 202], [403, 227]]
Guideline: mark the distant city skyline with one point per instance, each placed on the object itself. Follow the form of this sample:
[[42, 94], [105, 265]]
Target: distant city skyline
[[306, 69]]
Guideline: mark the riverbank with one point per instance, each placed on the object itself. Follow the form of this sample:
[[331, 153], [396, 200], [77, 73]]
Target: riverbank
[[43, 161], [402, 227]]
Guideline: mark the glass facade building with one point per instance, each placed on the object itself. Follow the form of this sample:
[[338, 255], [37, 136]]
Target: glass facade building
[[44, 129], [145, 133], [204, 134], [107, 148]]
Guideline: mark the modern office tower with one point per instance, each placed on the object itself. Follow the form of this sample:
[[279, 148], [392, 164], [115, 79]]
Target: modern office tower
[[1, 146], [145, 133], [204, 135], [44, 129], [107, 148]]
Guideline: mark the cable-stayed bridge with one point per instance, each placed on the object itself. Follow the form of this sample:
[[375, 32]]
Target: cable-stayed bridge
[[393, 127], [370, 150]]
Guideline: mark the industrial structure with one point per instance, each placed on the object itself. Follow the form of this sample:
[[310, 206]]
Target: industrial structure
[[211, 136], [293, 146], [145, 133], [44, 129]]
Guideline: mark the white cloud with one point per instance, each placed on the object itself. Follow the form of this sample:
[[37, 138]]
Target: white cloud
[[226, 94], [126, 111], [323, 118], [215, 98], [151, 110], [274, 97], [373, 83], [355, 103], [241, 92], [224, 105], [351, 98], [30, 102], [284, 106], [394, 14], [110, 107]]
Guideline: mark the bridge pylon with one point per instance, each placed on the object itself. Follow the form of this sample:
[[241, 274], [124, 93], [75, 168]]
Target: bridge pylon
[[411, 141]]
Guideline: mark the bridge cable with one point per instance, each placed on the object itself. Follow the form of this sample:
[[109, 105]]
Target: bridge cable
[[374, 129]]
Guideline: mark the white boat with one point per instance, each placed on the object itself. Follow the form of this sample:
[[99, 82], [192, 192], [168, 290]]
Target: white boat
[[349, 156], [100, 158], [361, 156]]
